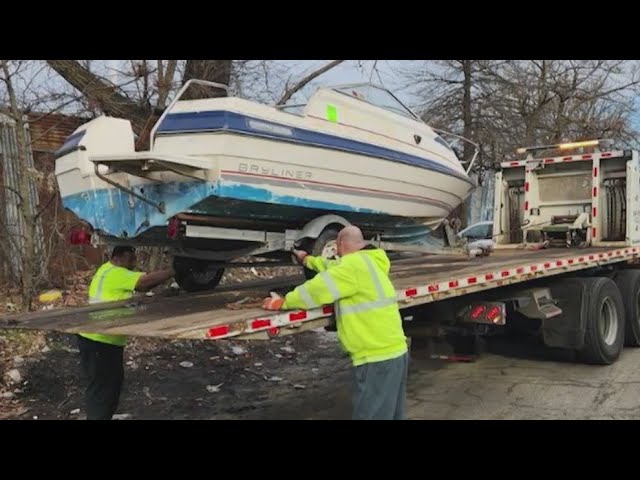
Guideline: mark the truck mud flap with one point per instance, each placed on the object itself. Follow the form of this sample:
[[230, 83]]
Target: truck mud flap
[[567, 329]]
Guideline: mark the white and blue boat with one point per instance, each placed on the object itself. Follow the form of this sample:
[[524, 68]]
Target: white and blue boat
[[354, 151]]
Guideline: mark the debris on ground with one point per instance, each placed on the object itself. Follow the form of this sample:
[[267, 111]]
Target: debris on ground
[[236, 350], [122, 416], [14, 375], [227, 387]]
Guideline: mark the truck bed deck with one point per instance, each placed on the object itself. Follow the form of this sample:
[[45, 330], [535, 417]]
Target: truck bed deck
[[418, 280]]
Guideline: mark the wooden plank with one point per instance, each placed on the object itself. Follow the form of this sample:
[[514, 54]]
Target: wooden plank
[[192, 315]]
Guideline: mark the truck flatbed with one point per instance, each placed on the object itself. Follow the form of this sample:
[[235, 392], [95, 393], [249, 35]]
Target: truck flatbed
[[418, 280]]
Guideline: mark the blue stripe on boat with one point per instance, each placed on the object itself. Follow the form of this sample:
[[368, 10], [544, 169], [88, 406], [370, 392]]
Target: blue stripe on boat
[[234, 122]]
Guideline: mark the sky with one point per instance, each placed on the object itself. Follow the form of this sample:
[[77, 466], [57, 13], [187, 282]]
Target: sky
[[383, 74]]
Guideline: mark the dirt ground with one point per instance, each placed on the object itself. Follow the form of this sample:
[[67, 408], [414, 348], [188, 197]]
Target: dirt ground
[[306, 377], [275, 379]]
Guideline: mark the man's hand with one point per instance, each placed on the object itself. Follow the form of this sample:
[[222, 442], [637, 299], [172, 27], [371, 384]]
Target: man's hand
[[300, 255], [272, 303]]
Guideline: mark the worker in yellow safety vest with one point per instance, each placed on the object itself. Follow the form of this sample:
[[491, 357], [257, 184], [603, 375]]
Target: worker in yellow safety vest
[[368, 321], [102, 356]]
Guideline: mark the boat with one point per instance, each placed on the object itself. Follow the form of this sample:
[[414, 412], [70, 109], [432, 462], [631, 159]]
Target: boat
[[354, 152]]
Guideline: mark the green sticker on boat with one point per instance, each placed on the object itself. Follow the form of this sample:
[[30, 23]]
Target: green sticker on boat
[[332, 113]]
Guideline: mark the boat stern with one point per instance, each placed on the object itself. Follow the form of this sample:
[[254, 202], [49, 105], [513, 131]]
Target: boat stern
[[123, 193]]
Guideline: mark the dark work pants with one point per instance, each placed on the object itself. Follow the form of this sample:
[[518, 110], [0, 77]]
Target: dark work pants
[[103, 371], [380, 389]]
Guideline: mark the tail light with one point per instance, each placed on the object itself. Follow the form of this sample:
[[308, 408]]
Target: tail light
[[79, 236], [173, 228], [493, 313]]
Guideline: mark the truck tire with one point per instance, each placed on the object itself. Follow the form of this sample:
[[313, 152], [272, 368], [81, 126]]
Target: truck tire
[[323, 246], [628, 282], [604, 323], [194, 275]]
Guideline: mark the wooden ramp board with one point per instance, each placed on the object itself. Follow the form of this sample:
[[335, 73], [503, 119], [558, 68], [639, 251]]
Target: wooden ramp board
[[194, 316]]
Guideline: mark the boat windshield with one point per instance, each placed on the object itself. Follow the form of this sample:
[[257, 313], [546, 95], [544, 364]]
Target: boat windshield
[[377, 96]]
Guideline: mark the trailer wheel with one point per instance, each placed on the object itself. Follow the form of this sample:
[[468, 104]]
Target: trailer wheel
[[628, 282], [605, 320], [324, 246], [194, 275]]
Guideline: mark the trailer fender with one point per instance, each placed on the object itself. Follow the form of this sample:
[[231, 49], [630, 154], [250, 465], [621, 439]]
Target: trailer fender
[[315, 227], [567, 330]]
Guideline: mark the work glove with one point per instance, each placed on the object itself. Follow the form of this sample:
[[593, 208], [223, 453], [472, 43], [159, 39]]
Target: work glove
[[274, 302]]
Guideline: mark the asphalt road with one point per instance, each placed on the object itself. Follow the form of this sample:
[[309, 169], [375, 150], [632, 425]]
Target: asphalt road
[[523, 381]]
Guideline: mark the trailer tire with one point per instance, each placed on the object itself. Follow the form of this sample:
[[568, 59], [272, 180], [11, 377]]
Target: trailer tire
[[324, 244], [628, 282], [194, 275], [604, 323]]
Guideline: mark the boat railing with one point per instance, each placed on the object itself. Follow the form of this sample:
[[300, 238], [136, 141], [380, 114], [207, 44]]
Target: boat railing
[[179, 94], [464, 139]]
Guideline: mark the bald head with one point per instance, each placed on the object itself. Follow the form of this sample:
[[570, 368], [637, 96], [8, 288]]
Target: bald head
[[350, 239]]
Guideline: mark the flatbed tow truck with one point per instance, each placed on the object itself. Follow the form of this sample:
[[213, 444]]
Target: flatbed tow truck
[[567, 245]]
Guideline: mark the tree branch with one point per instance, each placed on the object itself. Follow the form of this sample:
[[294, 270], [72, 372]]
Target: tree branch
[[302, 83]]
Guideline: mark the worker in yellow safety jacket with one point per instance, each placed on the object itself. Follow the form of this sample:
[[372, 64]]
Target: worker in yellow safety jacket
[[368, 321], [102, 356]]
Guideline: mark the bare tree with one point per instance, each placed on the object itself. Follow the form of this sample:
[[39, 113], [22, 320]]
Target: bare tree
[[23, 226]]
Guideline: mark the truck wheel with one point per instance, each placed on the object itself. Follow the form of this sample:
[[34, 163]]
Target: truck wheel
[[628, 282], [604, 329], [324, 246], [194, 275]]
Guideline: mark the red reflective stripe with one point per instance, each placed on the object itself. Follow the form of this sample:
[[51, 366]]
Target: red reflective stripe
[[520, 270], [593, 233], [594, 212], [595, 171], [559, 263], [453, 284], [489, 276], [587, 157], [297, 316], [595, 191], [434, 288], [327, 309], [411, 292], [504, 274], [533, 268], [567, 159], [472, 280], [547, 265], [218, 331], [260, 323]]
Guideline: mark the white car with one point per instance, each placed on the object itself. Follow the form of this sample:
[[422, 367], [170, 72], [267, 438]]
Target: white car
[[479, 236]]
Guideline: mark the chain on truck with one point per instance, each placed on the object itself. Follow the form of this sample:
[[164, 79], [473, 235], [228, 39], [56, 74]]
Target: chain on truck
[[566, 230]]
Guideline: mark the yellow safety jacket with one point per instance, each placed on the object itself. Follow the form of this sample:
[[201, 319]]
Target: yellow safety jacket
[[368, 319], [111, 283]]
